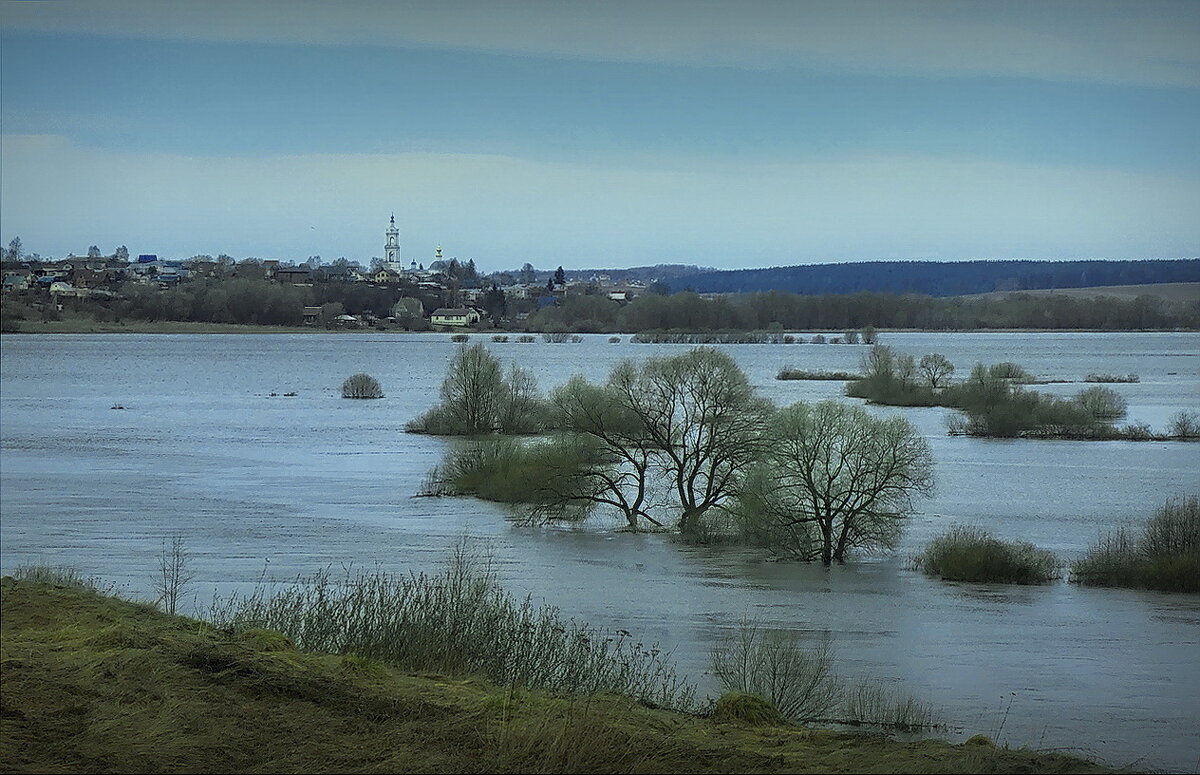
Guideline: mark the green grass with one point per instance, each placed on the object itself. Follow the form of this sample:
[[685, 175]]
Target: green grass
[[459, 621], [1164, 555], [968, 553], [92, 683]]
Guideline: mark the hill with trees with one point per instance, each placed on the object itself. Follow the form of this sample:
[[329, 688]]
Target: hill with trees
[[939, 278]]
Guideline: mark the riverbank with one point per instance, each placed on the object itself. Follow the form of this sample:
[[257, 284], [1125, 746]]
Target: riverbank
[[93, 683]]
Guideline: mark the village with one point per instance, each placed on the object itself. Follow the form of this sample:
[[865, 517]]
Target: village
[[447, 294]]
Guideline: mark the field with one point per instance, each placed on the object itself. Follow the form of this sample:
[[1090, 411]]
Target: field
[[93, 683], [1172, 292]]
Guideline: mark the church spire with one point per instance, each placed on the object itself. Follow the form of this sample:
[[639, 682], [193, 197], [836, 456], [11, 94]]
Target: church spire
[[391, 248]]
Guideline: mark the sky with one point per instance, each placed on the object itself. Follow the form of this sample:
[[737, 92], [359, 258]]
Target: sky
[[727, 134]]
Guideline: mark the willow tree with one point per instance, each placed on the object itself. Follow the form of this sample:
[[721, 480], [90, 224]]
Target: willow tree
[[618, 472], [700, 419], [836, 478]]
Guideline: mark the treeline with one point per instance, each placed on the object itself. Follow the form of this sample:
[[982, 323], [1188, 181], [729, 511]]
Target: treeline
[[260, 302], [940, 278], [788, 311], [241, 300]]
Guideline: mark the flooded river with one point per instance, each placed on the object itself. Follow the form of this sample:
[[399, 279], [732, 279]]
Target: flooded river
[[291, 484]]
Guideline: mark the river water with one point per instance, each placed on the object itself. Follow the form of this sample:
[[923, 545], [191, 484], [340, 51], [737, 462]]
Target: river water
[[286, 485]]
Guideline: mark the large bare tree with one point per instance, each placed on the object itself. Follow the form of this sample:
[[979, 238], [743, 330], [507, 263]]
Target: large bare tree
[[617, 473], [701, 419], [836, 479]]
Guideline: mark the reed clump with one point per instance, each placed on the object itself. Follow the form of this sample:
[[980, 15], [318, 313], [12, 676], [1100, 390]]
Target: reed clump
[[1164, 555], [63, 576], [799, 683], [361, 385], [459, 621], [969, 553]]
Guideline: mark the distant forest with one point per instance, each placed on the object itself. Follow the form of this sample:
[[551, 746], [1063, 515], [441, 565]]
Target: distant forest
[[840, 312], [936, 278]]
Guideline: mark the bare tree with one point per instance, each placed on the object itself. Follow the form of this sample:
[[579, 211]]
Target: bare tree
[[472, 392], [619, 475], [702, 420], [936, 367], [906, 370], [519, 410], [837, 478], [879, 363], [800, 683], [174, 574]]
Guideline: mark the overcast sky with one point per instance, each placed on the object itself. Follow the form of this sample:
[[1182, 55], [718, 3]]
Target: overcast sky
[[728, 134]]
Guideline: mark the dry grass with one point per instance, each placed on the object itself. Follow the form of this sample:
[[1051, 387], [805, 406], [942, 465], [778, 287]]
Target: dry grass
[[94, 684]]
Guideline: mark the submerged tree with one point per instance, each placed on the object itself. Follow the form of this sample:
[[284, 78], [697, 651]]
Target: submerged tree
[[836, 479], [477, 398], [936, 367], [702, 421], [618, 472], [472, 392]]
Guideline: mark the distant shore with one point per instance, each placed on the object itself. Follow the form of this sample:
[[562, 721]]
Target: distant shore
[[89, 326]]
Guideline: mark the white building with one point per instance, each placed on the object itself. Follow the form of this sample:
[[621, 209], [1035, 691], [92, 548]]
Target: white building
[[391, 251]]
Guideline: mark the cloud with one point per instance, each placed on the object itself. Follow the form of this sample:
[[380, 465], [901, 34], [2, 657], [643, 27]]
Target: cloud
[[1151, 43], [503, 210]]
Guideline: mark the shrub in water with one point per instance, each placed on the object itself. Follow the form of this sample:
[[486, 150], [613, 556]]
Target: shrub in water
[[1164, 556], [1185, 425], [460, 338], [1102, 403], [361, 385], [478, 398], [1009, 370], [1111, 378], [968, 553], [791, 373]]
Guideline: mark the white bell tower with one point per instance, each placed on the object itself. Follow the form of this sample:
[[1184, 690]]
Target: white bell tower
[[391, 249]]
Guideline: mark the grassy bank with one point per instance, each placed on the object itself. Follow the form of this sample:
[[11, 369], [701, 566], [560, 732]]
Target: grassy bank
[[92, 683]]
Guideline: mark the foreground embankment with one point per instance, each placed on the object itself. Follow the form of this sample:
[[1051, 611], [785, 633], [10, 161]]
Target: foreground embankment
[[98, 684]]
